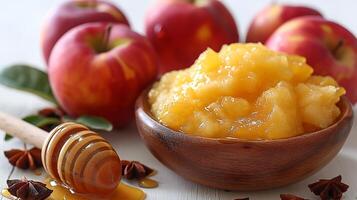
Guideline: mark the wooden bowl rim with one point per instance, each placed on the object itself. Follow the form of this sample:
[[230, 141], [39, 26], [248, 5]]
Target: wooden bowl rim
[[142, 103]]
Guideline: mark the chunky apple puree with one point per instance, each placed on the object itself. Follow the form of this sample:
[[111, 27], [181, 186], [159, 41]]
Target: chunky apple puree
[[246, 91]]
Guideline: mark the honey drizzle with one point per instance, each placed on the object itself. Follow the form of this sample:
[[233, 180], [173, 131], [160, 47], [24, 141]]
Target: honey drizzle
[[123, 191], [148, 183], [37, 172]]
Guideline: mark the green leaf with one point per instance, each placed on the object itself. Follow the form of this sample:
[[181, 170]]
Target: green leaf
[[41, 121], [8, 137], [29, 79], [93, 122]]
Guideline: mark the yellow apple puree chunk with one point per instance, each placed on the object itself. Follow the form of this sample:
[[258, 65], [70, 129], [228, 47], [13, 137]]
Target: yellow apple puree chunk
[[246, 91]]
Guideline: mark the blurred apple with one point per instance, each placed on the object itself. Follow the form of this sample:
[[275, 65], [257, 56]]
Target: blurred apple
[[181, 29], [328, 47], [73, 13], [100, 69], [271, 17]]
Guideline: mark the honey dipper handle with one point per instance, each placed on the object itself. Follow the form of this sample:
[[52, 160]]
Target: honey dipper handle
[[28, 133]]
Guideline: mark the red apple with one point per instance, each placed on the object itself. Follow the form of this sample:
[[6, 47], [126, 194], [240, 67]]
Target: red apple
[[100, 69], [273, 16], [74, 13], [328, 47], [181, 29]]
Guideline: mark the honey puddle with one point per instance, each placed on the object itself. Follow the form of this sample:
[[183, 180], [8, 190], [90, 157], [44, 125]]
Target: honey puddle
[[123, 191], [37, 172], [148, 183]]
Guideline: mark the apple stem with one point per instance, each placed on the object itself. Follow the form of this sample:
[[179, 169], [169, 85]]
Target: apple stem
[[105, 41], [337, 47], [196, 2]]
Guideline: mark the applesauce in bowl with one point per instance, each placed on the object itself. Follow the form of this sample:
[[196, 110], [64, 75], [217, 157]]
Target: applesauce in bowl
[[246, 91], [245, 118]]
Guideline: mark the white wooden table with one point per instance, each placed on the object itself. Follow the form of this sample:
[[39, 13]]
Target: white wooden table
[[20, 22]]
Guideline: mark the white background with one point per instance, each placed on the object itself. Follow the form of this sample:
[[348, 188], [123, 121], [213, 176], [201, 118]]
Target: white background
[[20, 24]]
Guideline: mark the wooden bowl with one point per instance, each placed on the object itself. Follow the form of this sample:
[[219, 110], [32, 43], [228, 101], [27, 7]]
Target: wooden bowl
[[236, 164]]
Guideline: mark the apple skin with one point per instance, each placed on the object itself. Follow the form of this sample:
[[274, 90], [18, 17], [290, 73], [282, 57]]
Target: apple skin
[[106, 83], [273, 16], [73, 13], [327, 46], [181, 29]]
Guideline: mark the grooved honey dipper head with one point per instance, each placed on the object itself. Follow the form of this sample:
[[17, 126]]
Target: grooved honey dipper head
[[81, 159]]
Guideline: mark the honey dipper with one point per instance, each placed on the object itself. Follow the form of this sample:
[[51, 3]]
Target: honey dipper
[[72, 154]]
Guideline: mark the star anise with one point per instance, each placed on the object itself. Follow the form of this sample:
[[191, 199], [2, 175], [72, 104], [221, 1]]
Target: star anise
[[329, 188], [28, 189], [135, 170], [25, 159], [290, 197]]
